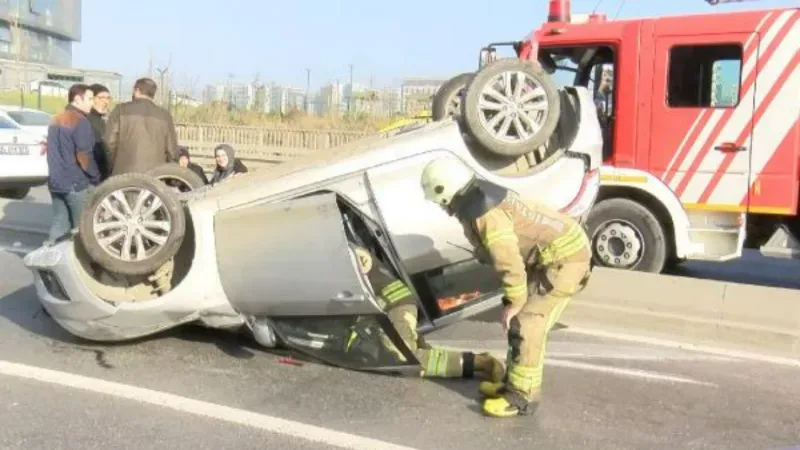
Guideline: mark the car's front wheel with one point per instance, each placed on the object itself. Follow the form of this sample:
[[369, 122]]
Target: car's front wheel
[[132, 224], [179, 178], [447, 101]]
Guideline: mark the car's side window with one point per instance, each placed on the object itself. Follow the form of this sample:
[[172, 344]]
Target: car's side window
[[357, 342]]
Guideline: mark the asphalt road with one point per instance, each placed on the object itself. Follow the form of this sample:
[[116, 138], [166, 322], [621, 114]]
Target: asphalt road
[[198, 388]]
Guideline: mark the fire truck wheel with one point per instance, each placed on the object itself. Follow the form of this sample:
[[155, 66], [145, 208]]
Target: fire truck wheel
[[626, 235], [511, 107], [447, 101]]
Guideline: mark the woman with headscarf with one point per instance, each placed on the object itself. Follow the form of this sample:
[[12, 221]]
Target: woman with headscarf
[[227, 163]]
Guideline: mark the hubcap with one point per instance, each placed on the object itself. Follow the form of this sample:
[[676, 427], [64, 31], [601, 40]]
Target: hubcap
[[513, 107], [131, 224], [618, 244]]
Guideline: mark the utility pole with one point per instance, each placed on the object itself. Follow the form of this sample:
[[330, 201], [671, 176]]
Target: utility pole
[[350, 97], [308, 87], [161, 73], [18, 55]]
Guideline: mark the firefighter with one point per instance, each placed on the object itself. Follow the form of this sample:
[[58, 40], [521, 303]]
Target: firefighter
[[543, 258], [400, 306]]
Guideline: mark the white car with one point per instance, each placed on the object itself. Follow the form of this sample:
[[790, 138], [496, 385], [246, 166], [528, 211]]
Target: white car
[[23, 159], [28, 119], [271, 249]]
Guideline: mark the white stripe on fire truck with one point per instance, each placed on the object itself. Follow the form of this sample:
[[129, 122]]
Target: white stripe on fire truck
[[771, 79], [770, 69], [678, 155], [769, 133], [713, 119], [700, 174]]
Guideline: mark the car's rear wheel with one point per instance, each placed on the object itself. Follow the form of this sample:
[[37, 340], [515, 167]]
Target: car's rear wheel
[[447, 101], [511, 107], [179, 178], [132, 224]]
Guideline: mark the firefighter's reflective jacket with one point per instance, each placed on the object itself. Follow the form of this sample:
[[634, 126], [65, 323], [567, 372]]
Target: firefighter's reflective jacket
[[519, 236]]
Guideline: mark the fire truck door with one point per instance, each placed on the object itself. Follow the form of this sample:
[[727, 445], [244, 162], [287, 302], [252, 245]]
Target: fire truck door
[[701, 132]]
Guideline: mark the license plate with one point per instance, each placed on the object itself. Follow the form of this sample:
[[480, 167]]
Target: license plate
[[15, 150]]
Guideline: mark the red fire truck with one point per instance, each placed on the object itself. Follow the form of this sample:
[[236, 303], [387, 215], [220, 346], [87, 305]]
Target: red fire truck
[[701, 120]]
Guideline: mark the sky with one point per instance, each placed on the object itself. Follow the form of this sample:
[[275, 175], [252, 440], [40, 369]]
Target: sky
[[206, 41]]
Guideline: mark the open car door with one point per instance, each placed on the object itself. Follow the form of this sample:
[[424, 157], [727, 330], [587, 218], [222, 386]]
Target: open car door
[[291, 264]]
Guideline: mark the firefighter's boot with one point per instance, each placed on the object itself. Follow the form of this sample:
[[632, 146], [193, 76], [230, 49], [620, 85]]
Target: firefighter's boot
[[491, 389], [490, 367], [510, 404]]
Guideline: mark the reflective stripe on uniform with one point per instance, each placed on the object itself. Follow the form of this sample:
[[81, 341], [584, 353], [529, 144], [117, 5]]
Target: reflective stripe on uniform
[[564, 246], [515, 291], [395, 291], [525, 379], [436, 365], [492, 237]]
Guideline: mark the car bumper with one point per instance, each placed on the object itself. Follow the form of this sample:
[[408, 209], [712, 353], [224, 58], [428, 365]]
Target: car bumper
[[27, 181], [72, 304]]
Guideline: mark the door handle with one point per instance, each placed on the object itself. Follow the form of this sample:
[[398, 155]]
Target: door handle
[[729, 147], [347, 297]]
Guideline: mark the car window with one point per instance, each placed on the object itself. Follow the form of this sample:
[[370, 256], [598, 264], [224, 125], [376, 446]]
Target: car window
[[6, 124], [30, 118]]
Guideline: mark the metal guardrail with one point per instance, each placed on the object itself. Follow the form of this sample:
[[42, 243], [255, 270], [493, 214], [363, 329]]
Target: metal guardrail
[[243, 136]]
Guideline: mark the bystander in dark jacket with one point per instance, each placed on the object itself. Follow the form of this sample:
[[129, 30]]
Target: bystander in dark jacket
[[185, 160], [140, 135], [97, 117], [70, 160]]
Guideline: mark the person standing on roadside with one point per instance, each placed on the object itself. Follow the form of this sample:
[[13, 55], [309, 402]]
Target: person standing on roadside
[[97, 117], [140, 135], [70, 160]]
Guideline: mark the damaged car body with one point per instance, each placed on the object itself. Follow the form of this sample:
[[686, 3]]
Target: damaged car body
[[272, 250]]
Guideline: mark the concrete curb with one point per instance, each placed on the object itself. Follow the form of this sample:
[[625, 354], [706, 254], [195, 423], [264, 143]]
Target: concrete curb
[[695, 311]]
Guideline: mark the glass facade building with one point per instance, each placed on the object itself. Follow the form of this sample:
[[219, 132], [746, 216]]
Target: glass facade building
[[47, 29]]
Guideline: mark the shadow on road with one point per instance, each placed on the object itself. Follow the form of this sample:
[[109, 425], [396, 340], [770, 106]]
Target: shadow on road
[[22, 308]]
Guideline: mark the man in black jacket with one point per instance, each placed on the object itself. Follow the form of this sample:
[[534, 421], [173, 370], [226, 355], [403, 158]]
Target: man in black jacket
[[97, 117]]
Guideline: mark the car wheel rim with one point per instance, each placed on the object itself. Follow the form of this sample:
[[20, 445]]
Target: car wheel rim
[[177, 184], [131, 224], [618, 244], [513, 107]]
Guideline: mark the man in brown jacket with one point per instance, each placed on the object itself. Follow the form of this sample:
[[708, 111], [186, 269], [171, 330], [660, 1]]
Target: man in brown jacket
[[543, 258], [140, 135]]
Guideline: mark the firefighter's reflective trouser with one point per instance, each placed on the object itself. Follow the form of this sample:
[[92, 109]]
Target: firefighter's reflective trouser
[[401, 309], [528, 330]]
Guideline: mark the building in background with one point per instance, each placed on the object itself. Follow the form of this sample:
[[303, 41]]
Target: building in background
[[416, 94], [36, 38]]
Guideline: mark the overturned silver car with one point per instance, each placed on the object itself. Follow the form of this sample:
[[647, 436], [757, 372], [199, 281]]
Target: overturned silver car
[[272, 250]]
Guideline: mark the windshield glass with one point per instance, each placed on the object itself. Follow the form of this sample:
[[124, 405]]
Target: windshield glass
[[30, 118], [6, 124]]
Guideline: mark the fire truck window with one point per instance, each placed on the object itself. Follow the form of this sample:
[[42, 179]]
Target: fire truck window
[[704, 76]]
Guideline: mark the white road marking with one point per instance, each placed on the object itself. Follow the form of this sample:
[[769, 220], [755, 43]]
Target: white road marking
[[634, 373], [588, 350], [738, 354], [197, 407]]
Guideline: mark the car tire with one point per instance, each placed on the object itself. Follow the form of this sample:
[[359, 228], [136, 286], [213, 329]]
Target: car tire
[[173, 174], [15, 194], [447, 101], [626, 235], [473, 115], [96, 215]]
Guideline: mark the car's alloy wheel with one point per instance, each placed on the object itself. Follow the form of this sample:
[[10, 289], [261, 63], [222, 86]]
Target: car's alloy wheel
[[513, 107], [131, 224]]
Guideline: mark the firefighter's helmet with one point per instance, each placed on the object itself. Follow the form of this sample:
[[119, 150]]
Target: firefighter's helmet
[[444, 178]]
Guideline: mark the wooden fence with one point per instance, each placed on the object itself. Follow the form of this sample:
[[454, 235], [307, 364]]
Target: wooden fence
[[258, 146]]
